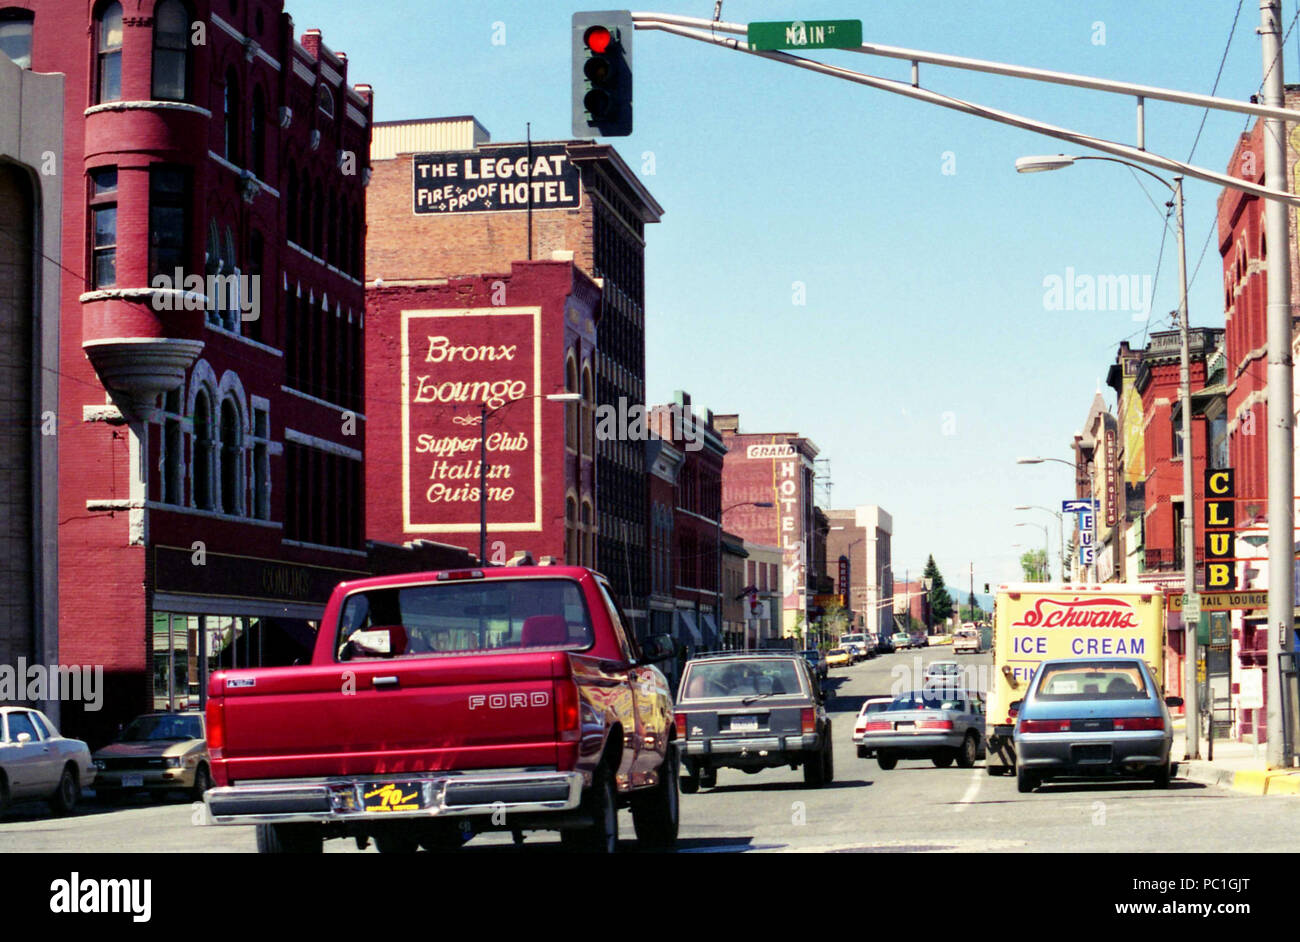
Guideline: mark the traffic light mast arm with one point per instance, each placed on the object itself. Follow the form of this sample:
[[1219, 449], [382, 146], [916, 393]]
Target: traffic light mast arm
[[708, 31]]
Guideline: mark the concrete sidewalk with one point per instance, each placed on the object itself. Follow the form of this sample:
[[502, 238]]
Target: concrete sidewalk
[[1240, 766]]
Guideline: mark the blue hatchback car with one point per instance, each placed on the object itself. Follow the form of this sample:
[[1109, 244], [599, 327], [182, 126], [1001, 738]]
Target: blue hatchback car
[[1090, 716]]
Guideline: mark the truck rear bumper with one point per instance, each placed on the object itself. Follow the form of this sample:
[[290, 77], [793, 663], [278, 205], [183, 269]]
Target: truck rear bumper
[[422, 796], [789, 742]]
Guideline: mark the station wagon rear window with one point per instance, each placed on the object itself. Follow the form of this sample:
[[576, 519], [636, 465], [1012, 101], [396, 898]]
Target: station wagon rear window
[[922, 700], [485, 616], [741, 679], [1100, 680]]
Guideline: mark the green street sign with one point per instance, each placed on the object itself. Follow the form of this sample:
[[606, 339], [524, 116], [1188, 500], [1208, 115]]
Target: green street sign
[[806, 34]]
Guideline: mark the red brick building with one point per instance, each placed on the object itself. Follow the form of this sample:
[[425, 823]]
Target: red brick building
[[210, 429], [452, 204], [435, 350], [777, 469]]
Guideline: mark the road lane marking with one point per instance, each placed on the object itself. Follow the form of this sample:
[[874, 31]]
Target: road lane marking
[[972, 790]]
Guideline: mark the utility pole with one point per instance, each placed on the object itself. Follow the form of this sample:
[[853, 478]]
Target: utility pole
[[1281, 482], [1191, 695]]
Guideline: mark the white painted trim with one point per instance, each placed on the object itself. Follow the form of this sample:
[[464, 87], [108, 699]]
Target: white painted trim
[[321, 444], [265, 348], [304, 72], [178, 295], [101, 413], [332, 406], [212, 514], [355, 115], [147, 105], [239, 171], [327, 72], [325, 548], [236, 34]]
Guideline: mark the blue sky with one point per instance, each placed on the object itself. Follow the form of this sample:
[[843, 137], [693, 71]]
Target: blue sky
[[924, 359]]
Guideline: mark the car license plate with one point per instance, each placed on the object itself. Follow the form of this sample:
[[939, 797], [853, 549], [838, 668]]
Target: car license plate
[[392, 796], [744, 724], [132, 781], [905, 724]]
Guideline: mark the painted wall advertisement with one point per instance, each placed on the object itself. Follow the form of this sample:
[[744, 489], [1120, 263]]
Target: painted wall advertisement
[[789, 496], [453, 361]]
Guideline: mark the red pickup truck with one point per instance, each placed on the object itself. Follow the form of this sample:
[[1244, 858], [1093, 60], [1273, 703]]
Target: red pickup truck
[[441, 704]]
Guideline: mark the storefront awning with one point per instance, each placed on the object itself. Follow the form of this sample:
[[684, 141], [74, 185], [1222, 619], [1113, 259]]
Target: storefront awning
[[685, 628], [710, 631]]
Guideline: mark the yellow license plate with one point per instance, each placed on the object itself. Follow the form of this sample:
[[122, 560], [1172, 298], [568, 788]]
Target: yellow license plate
[[393, 796]]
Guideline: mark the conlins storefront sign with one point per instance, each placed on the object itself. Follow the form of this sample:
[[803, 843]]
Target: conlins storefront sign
[[453, 361], [495, 179]]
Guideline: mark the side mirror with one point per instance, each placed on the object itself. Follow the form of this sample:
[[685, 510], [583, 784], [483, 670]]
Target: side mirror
[[657, 648], [1173, 701]]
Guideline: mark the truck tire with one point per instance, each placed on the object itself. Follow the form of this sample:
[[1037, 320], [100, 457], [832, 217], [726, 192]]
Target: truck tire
[[656, 814], [601, 836], [289, 839], [970, 748]]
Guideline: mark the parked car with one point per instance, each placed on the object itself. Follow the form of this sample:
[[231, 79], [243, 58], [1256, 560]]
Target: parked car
[[37, 762], [884, 643], [817, 661], [1091, 716], [156, 753], [921, 724], [966, 641], [902, 641], [838, 657], [752, 712], [869, 710], [920, 639], [501, 698], [856, 643]]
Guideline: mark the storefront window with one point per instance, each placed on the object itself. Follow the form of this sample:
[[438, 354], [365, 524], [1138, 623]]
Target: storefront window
[[172, 665]]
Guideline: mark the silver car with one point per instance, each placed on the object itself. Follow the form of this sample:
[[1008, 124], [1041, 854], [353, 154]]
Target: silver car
[[36, 762], [1089, 716], [941, 725]]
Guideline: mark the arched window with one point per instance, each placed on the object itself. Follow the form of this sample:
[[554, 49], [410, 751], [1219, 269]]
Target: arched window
[[201, 462], [571, 408], [108, 54], [291, 220], [232, 459], [588, 411], [16, 36], [171, 44], [257, 135], [325, 100], [230, 104], [571, 531]]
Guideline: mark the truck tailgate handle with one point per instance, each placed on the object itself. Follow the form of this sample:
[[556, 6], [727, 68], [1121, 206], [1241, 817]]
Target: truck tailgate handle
[[388, 680]]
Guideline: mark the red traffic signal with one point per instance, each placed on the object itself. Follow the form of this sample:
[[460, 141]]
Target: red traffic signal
[[597, 39]]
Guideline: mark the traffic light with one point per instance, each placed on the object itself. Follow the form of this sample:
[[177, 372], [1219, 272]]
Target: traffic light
[[602, 74], [986, 588]]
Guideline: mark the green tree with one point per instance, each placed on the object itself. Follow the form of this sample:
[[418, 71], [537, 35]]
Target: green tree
[[836, 620], [1034, 563], [940, 601]]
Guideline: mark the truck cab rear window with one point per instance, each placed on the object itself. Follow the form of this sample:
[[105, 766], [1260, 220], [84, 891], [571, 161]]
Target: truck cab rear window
[[481, 617]]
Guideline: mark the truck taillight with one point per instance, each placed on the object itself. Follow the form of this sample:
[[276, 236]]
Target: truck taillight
[[808, 720], [568, 723], [1140, 722], [1044, 726], [878, 726], [680, 720], [216, 727], [934, 724]]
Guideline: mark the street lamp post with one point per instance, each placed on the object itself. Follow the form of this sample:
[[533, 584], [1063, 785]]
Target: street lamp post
[[1046, 564], [1036, 164], [1060, 521], [484, 413], [1092, 575]]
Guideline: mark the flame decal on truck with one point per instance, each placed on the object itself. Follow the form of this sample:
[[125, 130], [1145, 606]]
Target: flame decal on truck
[[1079, 613]]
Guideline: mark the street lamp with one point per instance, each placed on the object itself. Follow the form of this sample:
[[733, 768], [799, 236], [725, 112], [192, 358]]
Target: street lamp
[[484, 413], [721, 513], [1069, 464], [1060, 521], [1040, 163]]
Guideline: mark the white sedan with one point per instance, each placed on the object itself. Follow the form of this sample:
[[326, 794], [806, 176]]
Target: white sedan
[[37, 762]]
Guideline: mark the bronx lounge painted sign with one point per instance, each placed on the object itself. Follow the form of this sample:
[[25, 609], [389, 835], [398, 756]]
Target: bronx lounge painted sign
[[453, 360], [495, 179]]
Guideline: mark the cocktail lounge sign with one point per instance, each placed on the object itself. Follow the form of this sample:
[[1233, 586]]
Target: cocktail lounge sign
[[449, 369]]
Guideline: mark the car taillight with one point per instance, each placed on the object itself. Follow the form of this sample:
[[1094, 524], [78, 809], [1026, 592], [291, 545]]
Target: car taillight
[[934, 724], [567, 718], [808, 720], [876, 726], [216, 727], [1140, 722], [680, 720], [1044, 726]]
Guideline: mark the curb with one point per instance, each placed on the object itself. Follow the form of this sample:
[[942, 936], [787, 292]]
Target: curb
[[1246, 781]]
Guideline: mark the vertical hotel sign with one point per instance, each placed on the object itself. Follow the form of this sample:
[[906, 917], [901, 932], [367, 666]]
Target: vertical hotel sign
[[786, 481], [453, 361]]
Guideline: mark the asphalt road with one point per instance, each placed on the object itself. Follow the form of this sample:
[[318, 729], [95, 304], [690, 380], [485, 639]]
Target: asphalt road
[[914, 807]]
